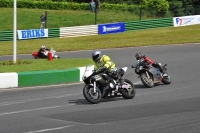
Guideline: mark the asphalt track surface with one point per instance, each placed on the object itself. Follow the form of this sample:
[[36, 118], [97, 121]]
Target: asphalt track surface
[[173, 108]]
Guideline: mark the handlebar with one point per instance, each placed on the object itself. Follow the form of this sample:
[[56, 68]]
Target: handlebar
[[133, 66]]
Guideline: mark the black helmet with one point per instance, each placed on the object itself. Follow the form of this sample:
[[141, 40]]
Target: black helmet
[[96, 55], [138, 56]]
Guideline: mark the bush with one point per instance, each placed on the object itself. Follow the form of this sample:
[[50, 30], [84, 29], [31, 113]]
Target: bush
[[18, 62], [6, 3], [48, 4]]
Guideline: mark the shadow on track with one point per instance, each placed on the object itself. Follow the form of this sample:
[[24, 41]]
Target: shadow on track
[[141, 86], [85, 102]]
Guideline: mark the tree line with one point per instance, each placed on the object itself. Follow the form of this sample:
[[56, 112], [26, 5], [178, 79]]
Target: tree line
[[176, 7], [159, 8]]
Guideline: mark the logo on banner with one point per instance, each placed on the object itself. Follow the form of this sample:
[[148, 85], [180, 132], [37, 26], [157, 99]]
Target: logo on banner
[[179, 21], [183, 21], [109, 29], [34, 33]]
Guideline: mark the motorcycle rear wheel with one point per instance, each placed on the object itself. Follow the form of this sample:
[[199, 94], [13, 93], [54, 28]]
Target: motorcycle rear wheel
[[129, 92], [90, 95], [145, 81]]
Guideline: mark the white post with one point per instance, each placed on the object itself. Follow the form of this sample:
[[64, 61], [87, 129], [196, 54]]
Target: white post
[[14, 31]]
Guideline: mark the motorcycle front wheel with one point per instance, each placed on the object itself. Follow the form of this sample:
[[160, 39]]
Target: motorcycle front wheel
[[90, 95], [147, 82], [166, 80], [128, 89]]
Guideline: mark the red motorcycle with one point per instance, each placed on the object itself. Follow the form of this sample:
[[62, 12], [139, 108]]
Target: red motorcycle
[[54, 56]]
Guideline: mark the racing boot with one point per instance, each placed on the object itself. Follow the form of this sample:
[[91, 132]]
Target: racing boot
[[164, 71], [120, 83]]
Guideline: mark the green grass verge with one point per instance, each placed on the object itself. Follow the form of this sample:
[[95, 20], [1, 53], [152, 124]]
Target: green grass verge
[[30, 18], [44, 64]]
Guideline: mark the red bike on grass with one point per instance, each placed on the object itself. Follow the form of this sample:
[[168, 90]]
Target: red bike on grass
[[54, 55]]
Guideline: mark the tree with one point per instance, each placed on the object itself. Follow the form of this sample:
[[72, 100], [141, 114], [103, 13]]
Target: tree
[[160, 6], [184, 7]]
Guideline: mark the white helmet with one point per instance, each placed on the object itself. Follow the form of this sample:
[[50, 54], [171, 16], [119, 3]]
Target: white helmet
[[43, 46], [96, 55]]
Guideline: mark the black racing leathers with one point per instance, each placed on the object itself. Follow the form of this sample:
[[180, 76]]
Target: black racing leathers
[[41, 53]]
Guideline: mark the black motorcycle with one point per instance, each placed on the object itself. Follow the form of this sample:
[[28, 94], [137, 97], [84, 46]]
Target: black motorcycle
[[95, 83], [150, 74]]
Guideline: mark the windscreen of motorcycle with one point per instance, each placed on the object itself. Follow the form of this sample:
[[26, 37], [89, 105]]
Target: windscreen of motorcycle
[[137, 63], [88, 71], [46, 53]]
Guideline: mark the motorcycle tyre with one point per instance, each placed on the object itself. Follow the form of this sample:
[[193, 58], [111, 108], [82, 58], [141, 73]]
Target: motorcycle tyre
[[56, 57], [87, 97], [124, 93], [144, 82], [166, 81]]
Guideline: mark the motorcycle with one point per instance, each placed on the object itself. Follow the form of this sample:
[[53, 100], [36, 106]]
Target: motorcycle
[[54, 55], [95, 82], [150, 75]]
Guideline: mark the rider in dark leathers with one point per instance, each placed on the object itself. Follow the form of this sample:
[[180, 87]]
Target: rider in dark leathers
[[42, 50], [148, 61]]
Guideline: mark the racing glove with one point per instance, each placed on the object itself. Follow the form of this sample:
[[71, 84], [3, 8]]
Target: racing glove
[[102, 69]]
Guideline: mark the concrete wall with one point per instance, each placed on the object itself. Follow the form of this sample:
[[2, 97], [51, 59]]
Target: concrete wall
[[38, 78]]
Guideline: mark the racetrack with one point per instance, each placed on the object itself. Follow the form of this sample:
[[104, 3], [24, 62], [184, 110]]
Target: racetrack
[[173, 108]]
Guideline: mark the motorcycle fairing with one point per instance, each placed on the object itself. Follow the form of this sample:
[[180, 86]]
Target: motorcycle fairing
[[88, 71], [156, 74], [100, 80], [121, 72]]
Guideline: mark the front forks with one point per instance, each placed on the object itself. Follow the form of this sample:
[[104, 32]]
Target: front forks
[[148, 75], [94, 87]]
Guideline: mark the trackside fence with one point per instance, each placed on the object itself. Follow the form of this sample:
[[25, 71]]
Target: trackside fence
[[54, 33], [76, 31], [6, 36], [146, 24]]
